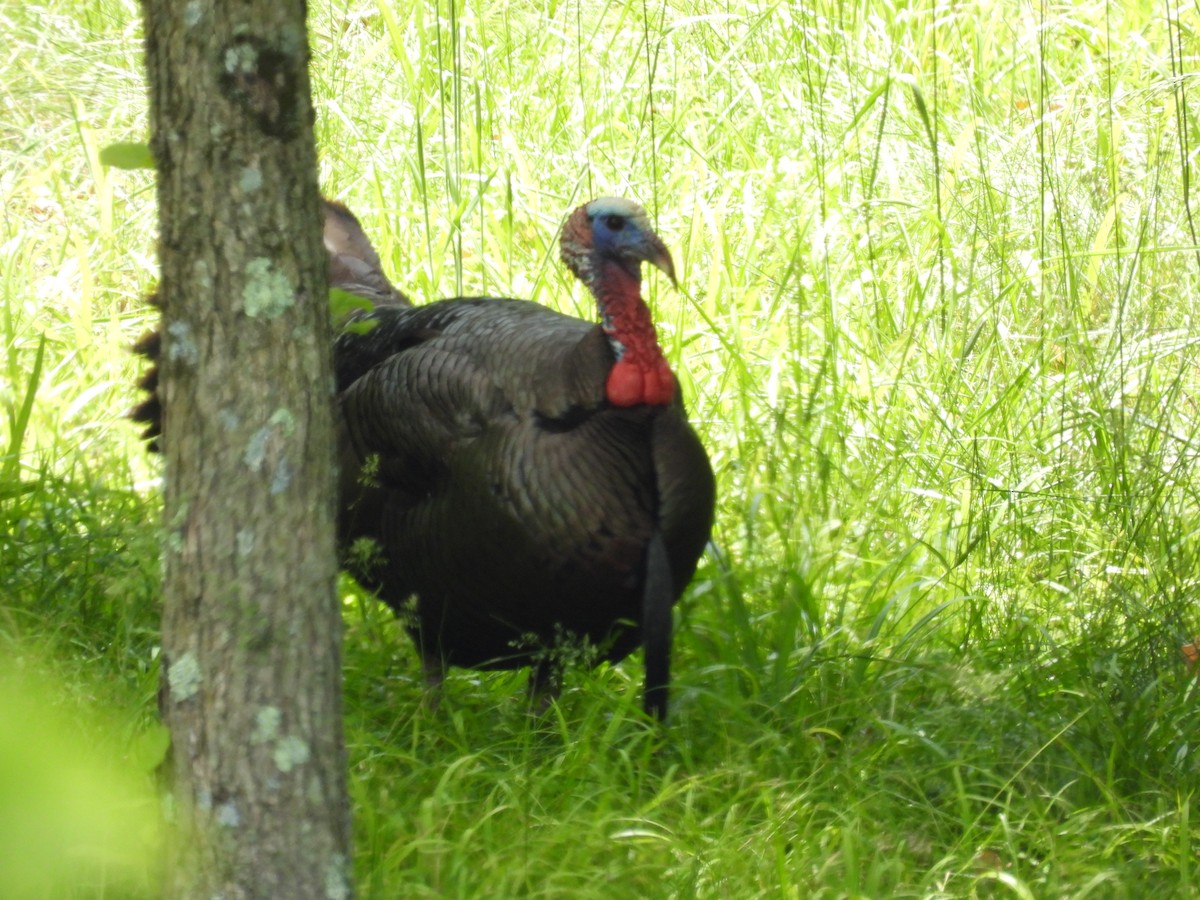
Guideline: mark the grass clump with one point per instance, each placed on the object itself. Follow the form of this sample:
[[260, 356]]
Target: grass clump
[[937, 326]]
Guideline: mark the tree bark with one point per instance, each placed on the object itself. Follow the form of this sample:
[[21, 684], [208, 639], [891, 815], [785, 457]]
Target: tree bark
[[251, 625]]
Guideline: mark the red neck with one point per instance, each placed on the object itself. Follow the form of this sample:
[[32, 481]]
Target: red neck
[[641, 373]]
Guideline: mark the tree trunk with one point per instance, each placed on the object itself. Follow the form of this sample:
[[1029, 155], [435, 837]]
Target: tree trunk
[[251, 625]]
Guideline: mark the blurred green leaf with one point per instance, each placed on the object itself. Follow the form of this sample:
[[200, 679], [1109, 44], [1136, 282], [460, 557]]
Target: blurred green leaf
[[127, 155], [73, 811]]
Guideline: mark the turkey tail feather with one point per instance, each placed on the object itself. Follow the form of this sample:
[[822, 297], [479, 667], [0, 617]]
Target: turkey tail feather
[[657, 599]]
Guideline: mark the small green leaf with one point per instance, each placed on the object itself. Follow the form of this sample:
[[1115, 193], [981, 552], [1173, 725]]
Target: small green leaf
[[151, 746], [343, 305], [127, 155], [359, 326]]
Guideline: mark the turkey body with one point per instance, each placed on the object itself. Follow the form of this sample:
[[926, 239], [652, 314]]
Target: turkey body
[[507, 494], [526, 481]]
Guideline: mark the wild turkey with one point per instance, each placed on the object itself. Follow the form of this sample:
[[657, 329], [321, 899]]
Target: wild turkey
[[529, 479], [532, 479]]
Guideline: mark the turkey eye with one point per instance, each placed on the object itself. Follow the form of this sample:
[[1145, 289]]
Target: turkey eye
[[615, 223]]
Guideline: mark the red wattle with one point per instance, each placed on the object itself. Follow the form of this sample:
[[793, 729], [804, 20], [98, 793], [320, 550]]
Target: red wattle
[[624, 385], [660, 384], [628, 384]]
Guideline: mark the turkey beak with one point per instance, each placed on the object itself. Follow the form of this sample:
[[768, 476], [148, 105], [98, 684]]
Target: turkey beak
[[659, 256]]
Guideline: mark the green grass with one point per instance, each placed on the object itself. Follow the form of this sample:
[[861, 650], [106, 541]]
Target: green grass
[[937, 325]]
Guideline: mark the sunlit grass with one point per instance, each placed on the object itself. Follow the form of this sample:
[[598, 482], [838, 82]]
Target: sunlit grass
[[936, 324]]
